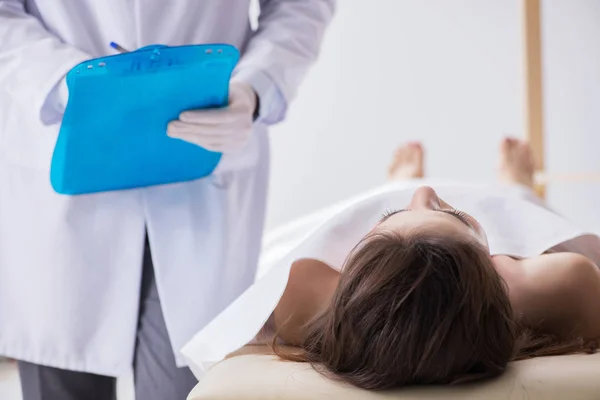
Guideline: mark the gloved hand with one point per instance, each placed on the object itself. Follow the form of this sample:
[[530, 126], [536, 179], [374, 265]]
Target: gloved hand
[[222, 130]]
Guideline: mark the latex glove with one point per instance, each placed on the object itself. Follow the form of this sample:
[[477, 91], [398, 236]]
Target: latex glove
[[223, 129]]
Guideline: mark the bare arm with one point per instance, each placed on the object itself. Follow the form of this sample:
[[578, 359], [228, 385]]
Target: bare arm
[[310, 288], [560, 294]]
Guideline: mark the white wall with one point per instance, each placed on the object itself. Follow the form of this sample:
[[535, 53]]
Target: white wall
[[444, 72], [572, 55]]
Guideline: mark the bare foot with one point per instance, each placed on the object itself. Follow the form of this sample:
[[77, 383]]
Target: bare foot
[[516, 162], [407, 162]]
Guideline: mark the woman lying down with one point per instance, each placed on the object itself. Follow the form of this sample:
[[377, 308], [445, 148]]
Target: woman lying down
[[447, 286]]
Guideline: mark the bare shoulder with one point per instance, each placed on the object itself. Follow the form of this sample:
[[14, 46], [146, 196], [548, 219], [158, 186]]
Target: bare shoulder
[[310, 287], [559, 293], [558, 270], [311, 269]]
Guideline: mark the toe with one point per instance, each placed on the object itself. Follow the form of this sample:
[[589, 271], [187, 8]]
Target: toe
[[505, 146], [528, 155], [418, 152], [397, 159]]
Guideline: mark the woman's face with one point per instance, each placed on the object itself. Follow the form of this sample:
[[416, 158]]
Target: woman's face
[[426, 212]]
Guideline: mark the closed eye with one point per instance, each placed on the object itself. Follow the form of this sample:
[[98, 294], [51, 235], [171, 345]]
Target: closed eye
[[388, 213], [458, 214]]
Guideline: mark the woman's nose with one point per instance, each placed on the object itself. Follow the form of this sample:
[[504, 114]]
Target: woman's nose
[[425, 198]]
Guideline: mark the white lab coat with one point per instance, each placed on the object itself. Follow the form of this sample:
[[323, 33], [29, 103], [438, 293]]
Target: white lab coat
[[70, 267]]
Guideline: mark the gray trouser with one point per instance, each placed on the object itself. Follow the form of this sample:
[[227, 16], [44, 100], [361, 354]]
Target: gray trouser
[[155, 373]]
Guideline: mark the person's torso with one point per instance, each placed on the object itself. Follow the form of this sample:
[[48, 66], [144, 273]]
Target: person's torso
[[91, 25]]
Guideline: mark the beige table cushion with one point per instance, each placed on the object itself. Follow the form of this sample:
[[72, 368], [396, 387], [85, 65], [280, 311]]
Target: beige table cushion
[[250, 375]]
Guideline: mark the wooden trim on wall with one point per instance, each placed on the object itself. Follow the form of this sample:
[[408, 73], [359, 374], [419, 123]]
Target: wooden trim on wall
[[534, 100]]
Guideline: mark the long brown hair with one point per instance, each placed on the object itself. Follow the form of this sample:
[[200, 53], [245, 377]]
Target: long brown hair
[[418, 309]]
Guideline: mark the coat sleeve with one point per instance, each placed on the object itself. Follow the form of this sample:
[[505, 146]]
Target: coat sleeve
[[282, 49], [33, 62]]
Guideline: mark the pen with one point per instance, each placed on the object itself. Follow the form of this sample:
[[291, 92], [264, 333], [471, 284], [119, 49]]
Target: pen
[[119, 48]]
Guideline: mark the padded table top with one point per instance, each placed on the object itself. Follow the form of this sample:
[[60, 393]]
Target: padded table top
[[253, 374]]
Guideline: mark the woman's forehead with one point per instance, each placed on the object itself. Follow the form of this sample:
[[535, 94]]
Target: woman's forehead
[[424, 221]]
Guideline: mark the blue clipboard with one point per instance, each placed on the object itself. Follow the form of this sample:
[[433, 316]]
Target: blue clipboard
[[113, 133]]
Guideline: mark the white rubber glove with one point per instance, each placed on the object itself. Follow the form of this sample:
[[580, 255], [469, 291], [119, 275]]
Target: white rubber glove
[[222, 130]]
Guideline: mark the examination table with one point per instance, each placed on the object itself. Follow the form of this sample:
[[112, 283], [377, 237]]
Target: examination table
[[254, 373]]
